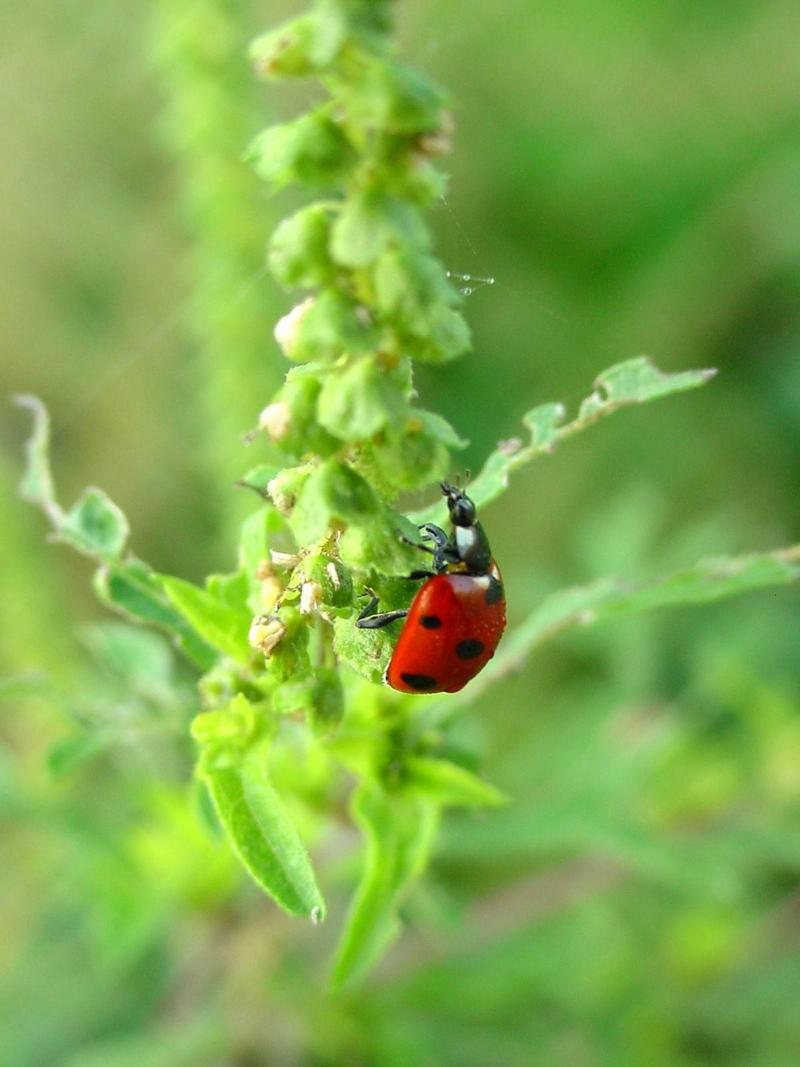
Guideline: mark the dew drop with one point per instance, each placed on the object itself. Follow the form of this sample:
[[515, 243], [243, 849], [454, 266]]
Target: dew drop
[[316, 916]]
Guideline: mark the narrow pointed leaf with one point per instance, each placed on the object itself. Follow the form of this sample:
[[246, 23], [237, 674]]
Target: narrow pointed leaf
[[135, 591], [449, 784], [399, 832], [262, 835], [218, 623]]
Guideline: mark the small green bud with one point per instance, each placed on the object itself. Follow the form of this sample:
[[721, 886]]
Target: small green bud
[[333, 325], [362, 231], [333, 492], [445, 336], [286, 328], [411, 459], [298, 252], [286, 51], [408, 283], [275, 420], [358, 400], [396, 99], [312, 150], [219, 685], [291, 419], [285, 487]]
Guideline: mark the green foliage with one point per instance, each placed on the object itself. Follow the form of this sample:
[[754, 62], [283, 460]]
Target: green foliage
[[399, 837], [234, 766], [288, 704], [636, 381]]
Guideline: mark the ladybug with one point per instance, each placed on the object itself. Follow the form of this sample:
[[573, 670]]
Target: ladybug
[[457, 618]]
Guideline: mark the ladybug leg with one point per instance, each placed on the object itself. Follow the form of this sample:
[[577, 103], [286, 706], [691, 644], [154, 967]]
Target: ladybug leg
[[444, 552], [415, 544], [416, 575], [369, 619], [434, 533]]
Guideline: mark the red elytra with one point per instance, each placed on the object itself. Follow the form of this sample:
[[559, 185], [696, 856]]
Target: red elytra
[[457, 618], [453, 627]]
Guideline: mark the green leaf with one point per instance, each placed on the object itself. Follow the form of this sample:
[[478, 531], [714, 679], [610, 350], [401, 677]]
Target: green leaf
[[399, 833], [260, 531], [359, 400], [140, 660], [232, 727], [377, 545], [449, 784], [438, 428], [258, 478], [638, 380], [262, 835], [346, 495], [135, 590], [95, 526], [327, 701], [71, 753], [36, 485], [544, 422], [635, 381], [223, 626], [715, 578]]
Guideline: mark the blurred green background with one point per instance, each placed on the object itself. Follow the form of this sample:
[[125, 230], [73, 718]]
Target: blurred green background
[[629, 174]]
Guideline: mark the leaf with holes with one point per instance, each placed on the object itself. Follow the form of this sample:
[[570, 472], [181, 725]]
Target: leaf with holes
[[635, 381]]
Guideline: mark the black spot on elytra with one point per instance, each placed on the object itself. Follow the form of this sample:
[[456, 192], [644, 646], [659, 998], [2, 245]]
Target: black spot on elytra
[[419, 681], [430, 622], [470, 648], [495, 591]]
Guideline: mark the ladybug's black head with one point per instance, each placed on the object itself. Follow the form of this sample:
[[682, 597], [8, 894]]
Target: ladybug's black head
[[461, 508]]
